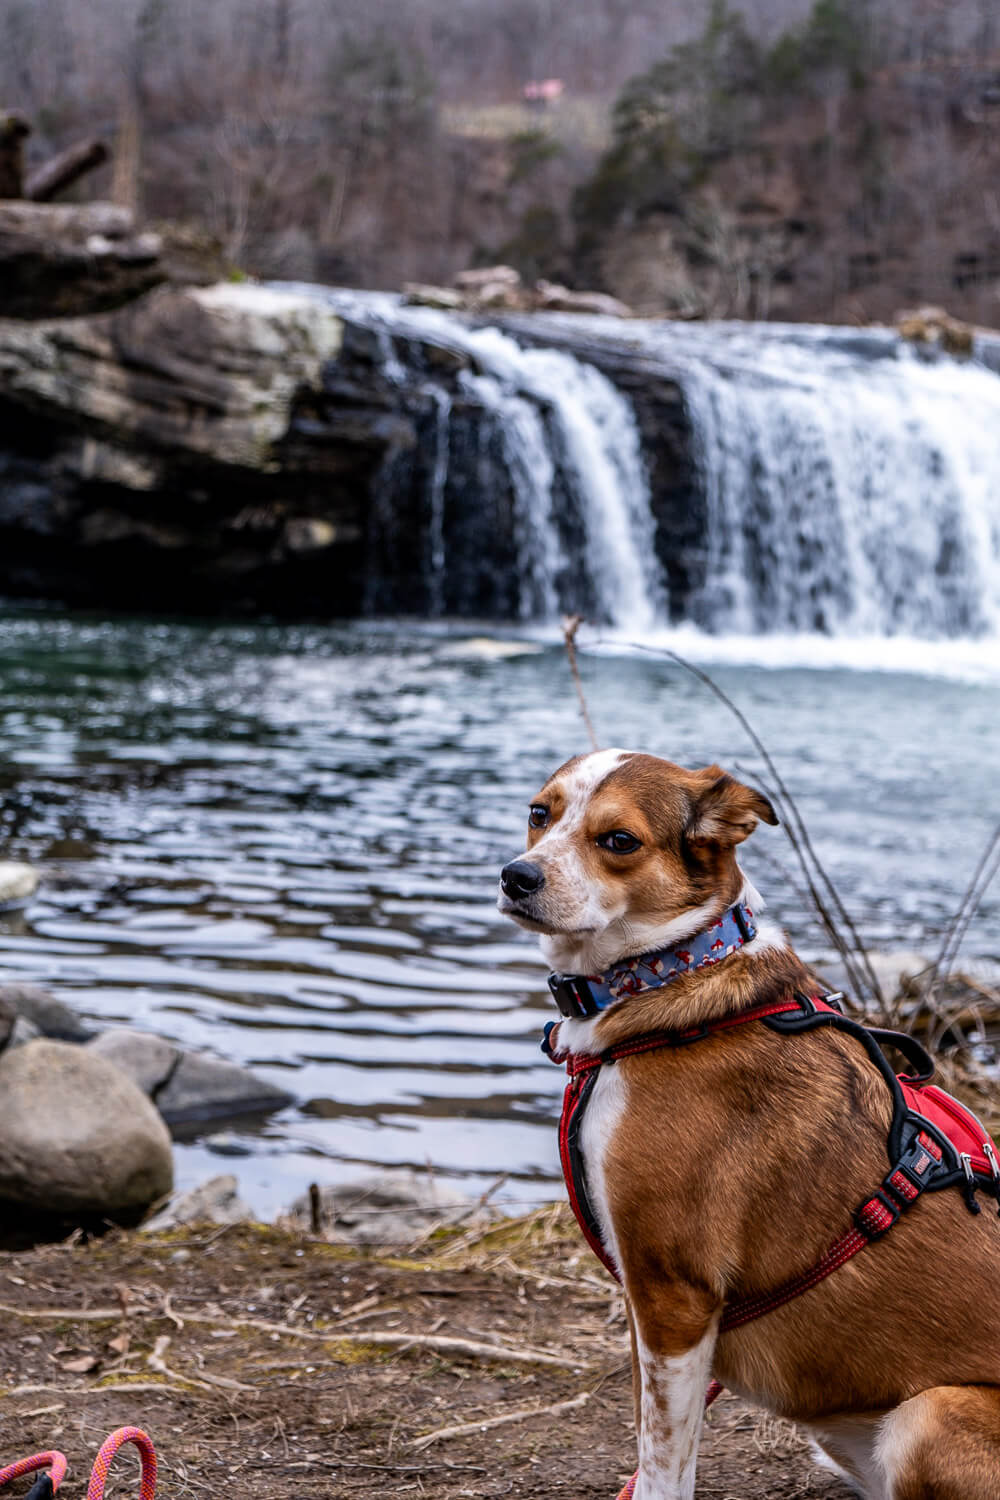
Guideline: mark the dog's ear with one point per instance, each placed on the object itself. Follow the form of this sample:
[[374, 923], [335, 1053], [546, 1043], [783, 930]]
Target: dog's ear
[[726, 812]]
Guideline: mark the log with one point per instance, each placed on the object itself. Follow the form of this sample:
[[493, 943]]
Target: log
[[62, 170], [13, 129]]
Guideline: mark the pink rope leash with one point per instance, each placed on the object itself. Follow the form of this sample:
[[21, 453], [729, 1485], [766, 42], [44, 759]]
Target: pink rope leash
[[106, 1453], [54, 1462]]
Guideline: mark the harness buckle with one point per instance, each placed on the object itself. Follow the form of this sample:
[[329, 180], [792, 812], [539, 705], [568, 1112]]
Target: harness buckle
[[573, 996], [876, 1217], [744, 922]]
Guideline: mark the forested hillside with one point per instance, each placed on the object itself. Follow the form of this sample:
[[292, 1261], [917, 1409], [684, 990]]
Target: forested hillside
[[772, 158]]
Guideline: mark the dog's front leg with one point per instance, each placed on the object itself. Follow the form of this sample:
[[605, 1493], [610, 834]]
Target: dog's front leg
[[672, 1402]]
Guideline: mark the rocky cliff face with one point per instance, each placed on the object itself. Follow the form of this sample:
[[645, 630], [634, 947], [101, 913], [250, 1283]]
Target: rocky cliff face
[[233, 447]]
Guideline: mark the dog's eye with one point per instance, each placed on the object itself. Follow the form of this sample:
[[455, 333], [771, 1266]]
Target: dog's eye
[[538, 816], [619, 842]]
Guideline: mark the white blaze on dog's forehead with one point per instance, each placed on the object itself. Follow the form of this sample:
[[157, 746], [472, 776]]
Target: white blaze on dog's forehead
[[581, 780]]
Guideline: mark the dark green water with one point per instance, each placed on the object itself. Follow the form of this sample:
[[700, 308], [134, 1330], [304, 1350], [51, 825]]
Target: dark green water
[[281, 843]]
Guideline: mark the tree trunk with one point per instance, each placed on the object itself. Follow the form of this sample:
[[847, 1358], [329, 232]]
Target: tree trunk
[[61, 171], [13, 129]]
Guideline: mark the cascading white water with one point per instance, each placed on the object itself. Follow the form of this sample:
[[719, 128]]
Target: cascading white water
[[532, 471], [852, 490], [439, 476], [600, 453], [556, 416], [849, 486]]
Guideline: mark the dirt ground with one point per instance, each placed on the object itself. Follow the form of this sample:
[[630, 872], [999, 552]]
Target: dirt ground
[[267, 1363]]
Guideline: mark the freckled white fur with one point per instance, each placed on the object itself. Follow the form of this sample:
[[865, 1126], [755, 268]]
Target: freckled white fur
[[672, 1405]]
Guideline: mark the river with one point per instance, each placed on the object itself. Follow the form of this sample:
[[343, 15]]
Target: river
[[281, 843]]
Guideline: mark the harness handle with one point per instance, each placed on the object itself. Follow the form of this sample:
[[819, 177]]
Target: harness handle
[[106, 1453], [44, 1488], [908, 1047]]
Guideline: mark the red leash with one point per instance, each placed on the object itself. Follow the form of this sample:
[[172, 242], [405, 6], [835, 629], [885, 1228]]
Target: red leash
[[53, 1461], [46, 1487], [106, 1453]]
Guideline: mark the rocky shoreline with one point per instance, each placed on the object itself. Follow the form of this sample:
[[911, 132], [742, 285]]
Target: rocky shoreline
[[85, 1130]]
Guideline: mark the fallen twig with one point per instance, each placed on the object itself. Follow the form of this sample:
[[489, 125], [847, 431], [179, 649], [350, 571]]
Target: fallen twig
[[156, 1362], [97, 1390], [523, 1414], [440, 1343]]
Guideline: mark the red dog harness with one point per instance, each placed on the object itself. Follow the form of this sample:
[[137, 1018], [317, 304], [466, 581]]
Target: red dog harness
[[933, 1142]]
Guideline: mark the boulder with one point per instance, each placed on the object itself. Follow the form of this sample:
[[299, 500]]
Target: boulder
[[216, 1201], [22, 1032], [194, 373], [63, 259], [387, 1208], [475, 280], [553, 298], [8, 1017], [51, 1016], [18, 883], [206, 1088], [186, 1086], [147, 1059], [418, 294], [935, 328], [76, 1135]]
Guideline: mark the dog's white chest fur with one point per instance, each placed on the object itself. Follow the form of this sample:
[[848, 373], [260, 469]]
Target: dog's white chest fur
[[601, 1120]]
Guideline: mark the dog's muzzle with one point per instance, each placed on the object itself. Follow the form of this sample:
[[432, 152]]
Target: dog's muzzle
[[520, 878]]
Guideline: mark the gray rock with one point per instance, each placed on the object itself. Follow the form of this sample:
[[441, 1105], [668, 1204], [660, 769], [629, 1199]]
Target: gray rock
[[22, 1032], [387, 1208], [896, 970], [206, 1088], [147, 1059], [8, 1015], [420, 294], [216, 1201], [77, 1135], [18, 883], [71, 258], [51, 1016]]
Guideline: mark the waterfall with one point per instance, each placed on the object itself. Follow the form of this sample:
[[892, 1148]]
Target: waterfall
[[851, 485], [836, 481], [583, 525]]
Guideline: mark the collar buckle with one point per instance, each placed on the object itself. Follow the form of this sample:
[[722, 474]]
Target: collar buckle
[[573, 996]]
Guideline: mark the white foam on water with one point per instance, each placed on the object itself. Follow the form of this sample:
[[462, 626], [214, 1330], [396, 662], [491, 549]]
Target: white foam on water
[[958, 660]]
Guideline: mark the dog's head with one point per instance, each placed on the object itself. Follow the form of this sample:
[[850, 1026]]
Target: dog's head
[[626, 853]]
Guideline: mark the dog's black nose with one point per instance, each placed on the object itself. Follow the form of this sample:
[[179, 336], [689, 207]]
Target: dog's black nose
[[520, 878]]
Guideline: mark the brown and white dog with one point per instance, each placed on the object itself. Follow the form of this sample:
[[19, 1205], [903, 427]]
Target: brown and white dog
[[721, 1170]]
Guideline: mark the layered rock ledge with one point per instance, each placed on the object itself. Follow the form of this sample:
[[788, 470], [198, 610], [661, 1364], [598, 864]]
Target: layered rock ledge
[[212, 449]]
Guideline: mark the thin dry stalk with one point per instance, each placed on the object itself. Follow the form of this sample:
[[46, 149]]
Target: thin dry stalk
[[861, 974], [571, 624], [982, 877]]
